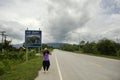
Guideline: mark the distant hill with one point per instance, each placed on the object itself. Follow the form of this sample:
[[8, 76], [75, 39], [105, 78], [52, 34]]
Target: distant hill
[[55, 45], [17, 45]]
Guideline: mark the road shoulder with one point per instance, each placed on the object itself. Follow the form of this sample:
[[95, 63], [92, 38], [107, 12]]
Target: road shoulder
[[52, 74]]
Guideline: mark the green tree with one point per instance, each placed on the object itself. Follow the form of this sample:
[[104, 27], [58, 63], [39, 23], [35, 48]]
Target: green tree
[[70, 47], [107, 47], [82, 43], [89, 47]]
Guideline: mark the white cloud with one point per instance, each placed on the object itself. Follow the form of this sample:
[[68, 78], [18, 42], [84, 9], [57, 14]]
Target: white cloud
[[93, 19]]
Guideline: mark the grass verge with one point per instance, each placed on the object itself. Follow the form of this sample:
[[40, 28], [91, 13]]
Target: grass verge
[[24, 71]]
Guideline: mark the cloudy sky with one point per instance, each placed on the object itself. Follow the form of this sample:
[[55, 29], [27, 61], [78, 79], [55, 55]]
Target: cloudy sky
[[61, 20]]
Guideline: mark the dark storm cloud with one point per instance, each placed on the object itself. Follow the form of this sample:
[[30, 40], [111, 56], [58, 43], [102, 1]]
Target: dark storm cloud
[[6, 2], [111, 6], [13, 29], [66, 21], [59, 18]]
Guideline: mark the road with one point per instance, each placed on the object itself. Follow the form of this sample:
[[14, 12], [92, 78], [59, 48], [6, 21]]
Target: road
[[71, 66]]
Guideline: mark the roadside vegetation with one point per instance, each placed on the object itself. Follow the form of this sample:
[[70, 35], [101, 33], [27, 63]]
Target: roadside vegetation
[[23, 71], [104, 47], [13, 65]]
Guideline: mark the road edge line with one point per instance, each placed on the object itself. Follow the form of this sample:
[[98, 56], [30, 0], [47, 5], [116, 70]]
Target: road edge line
[[60, 75]]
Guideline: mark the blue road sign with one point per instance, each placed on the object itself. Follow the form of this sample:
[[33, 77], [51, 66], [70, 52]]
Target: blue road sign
[[33, 38]]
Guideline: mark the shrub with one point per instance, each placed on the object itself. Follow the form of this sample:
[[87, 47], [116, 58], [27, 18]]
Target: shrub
[[118, 53], [2, 66], [106, 47], [7, 65]]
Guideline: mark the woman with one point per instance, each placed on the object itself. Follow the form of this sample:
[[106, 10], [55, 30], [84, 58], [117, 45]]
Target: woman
[[46, 61]]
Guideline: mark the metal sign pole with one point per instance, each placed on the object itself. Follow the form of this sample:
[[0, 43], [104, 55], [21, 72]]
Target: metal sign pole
[[26, 54], [41, 49], [38, 50]]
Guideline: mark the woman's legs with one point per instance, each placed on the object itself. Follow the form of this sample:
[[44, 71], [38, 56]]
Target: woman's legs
[[44, 65], [47, 65]]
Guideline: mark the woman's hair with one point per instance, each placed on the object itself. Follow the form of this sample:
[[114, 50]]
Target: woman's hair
[[45, 51]]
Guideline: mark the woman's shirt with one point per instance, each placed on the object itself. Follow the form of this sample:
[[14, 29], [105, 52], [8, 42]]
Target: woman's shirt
[[46, 56]]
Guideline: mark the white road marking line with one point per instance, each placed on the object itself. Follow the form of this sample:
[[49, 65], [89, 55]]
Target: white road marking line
[[60, 75]]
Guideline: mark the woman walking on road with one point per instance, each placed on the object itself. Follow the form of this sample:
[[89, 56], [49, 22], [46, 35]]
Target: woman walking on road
[[46, 61]]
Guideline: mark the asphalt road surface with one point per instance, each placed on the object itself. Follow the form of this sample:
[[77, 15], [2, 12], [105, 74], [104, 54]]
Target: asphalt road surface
[[71, 66]]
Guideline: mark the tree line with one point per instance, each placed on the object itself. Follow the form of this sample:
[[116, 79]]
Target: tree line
[[102, 47]]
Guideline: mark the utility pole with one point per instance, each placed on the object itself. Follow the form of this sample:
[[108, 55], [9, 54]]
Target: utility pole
[[2, 33], [5, 37], [5, 41]]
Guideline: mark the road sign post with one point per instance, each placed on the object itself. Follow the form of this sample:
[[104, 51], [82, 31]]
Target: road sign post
[[26, 54], [33, 38]]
